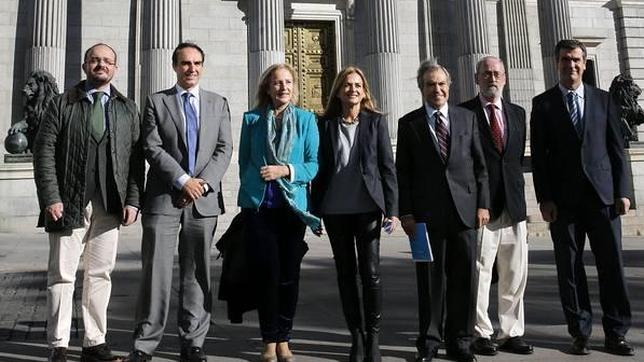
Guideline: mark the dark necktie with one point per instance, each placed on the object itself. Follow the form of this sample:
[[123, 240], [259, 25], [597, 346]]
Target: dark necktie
[[97, 116], [191, 132], [495, 128], [575, 117], [442, 136]]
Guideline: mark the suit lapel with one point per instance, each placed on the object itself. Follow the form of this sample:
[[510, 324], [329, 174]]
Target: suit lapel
[[422, 127], [511, 126], [205, 126], [174, 109], [364, 133]]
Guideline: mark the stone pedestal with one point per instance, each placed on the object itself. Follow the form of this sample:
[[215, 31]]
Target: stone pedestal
[[20, 208]]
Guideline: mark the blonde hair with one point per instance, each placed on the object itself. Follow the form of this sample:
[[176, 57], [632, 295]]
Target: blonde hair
[[262, 98], [334, 106]]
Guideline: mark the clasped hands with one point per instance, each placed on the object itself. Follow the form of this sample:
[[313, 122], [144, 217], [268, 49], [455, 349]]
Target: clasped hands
[[273, 172], [192, 190]]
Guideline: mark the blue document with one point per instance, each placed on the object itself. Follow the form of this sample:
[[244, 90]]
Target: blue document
[[420, 248]]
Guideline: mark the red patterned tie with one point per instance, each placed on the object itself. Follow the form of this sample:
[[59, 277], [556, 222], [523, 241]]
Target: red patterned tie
[[441, 135], [495, 127]]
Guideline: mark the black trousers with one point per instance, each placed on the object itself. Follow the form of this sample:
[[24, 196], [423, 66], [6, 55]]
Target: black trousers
[[447, 286], [275, 243], [348, 234], [603, 227]]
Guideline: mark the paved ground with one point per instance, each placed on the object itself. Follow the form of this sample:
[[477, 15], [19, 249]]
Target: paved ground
[[319, 329]]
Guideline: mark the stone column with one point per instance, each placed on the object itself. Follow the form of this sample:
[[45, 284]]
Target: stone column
[[554, 25], [49, 39], [425, 39], [473, 44], [161, 34], [383, 57], [515, 52], [265, 40]]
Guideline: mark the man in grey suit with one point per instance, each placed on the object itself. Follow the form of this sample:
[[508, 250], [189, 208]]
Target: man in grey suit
[[443, 182], [187, 142]]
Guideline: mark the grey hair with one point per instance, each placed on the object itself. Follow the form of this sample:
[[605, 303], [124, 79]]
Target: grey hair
[[479, 64], [430, 65]]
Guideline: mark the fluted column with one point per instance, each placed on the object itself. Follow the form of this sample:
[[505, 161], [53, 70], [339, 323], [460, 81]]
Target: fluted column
[[473, 43], [265, 39], [554, 25], [425, 39], [161, 34], [515, 51], [383, 57], [49, 37], [629, 33]]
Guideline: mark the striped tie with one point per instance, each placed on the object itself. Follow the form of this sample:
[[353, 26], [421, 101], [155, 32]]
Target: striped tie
[[574, 112], [442, 135]]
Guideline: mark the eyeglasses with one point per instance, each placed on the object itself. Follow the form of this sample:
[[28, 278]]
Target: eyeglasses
[[489, 75], [97, 60]]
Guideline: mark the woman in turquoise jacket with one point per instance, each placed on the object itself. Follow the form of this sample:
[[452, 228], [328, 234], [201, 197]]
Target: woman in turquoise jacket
[[277, 160]]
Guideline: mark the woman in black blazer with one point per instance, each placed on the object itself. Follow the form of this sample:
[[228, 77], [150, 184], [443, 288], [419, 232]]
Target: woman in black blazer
[[355, 187]]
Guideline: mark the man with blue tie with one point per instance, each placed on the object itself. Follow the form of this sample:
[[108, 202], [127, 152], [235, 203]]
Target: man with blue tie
[[187, 142], [582, 185]]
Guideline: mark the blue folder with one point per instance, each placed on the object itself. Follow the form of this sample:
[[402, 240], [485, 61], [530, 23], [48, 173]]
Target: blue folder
[[421, 251]]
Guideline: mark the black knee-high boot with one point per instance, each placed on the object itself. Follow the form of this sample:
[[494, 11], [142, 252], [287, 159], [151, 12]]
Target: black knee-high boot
[[372, 308]]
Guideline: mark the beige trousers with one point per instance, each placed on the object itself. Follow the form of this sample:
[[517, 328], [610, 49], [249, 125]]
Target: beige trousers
[[507, 243], [97, 242]]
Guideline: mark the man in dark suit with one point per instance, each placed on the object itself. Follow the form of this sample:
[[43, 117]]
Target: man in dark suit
[[582, 184], [502, 129], [443, 182], [187, 142]]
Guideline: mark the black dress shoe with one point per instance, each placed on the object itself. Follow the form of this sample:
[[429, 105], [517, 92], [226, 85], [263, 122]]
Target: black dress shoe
[[484, 346], [58, 354], [619, 346], [98, 353], [516, 345], [193, 354], [425, 356], [580, 346], [138, 356]]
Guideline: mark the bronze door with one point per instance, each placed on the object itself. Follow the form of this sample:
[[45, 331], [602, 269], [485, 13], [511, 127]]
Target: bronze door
[[310, 49]]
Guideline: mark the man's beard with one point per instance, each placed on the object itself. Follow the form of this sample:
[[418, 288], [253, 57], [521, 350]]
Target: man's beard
[[492, 92]]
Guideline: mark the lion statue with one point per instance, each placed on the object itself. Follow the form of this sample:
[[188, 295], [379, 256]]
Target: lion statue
[[39, 90], [625, 93]]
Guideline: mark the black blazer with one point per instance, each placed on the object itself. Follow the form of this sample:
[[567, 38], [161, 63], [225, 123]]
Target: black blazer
[[562, 164], [427, 186], [376, 161], [507, 186]]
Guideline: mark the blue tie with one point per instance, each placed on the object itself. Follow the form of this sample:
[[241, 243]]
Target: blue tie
[[192, 132], [574, 112]]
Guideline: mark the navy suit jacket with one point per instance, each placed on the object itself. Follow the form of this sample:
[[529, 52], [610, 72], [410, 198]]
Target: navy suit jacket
[[427, 185], [563, 163], [505, 170]]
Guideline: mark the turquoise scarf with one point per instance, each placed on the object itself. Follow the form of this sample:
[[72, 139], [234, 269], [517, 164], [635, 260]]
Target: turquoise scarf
[[279, 156]]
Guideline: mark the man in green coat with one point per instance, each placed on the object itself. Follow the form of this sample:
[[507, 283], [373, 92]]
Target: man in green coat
[[88, 168]]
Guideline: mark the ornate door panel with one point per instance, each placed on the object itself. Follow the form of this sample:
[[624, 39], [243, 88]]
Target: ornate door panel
[[310, 49]]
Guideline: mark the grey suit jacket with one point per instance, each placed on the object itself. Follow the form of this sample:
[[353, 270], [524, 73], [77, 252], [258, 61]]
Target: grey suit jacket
[[427, 186], [164, 145]]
